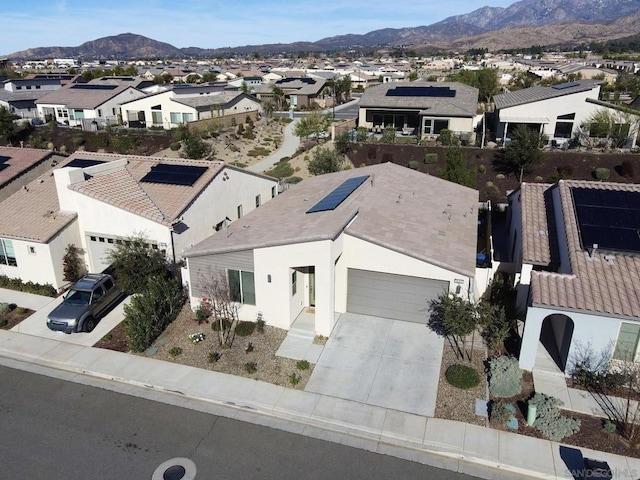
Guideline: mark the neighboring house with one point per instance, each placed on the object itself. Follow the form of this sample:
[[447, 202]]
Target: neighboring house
[[381, 240], [96, 200], [86, 105], [421, 107], [19, 95], [588, 72], [298, 92], [19, 166], [559, 112], [186, 103], [575, 246], [250, 81]]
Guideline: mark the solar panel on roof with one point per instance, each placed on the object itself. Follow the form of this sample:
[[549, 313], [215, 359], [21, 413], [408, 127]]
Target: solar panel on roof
[[415, 91], [338, 195], [93, 86], [84, 162], [171, 174], [562, 86], [608, 218], [4, 158]]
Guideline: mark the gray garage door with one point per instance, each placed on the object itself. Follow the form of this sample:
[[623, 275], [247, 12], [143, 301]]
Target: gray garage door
[[392, 296]]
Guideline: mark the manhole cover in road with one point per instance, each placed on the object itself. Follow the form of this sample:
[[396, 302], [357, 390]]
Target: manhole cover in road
[[175, 469]]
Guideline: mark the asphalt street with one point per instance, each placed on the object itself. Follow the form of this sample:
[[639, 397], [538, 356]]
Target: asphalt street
[[55, 429]]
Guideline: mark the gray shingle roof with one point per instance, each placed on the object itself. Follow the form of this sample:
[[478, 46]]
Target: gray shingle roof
[[464, 104], [535, 94], [78, 95], [406, 211], [601, 283]]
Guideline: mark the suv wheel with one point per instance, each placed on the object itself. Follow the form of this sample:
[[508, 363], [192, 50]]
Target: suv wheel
[[89, 324]]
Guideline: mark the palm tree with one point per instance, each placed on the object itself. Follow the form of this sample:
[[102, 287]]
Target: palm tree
[[278, 96]]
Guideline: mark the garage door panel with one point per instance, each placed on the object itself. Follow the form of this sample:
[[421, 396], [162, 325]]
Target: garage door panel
[[392, 296]]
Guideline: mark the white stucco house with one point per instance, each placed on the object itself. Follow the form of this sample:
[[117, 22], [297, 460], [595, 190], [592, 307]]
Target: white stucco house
[[421, 107], [95, 200], [560, 112], [575, 245], [380, 240], [85, 105], [186, 103]]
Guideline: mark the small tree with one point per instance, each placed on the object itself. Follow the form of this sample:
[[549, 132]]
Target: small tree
[[149, 313], [325, 160], [7, 126], [456, 168], [224, 310], [312, 124], [196, 148], [73, 266], [522, 152], [341, 143], [134, 261], [454, 317]]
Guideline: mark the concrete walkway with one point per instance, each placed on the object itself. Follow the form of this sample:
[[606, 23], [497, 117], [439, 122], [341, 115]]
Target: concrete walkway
[[289, 146], [456, 446], [24, 300]]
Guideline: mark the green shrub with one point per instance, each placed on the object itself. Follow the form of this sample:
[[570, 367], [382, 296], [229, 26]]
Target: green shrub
[[213, 357], [549, 422], [293, 180], [174, 146], [294, 379], [175, 351], [78, 140], [499, 414], [20, 310], [430, 158], [302, 365], [244, 329], [462, 376], [251, 367], [281, 169], [413, 165], [4, 309], [482, 169], [504, 377], [258, 152], [609, 427], [215, 324], [152, 310], [29, 287], [601, 173]]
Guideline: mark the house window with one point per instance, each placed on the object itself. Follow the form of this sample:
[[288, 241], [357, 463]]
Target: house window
[[294, 282], [219, 226], [32, 250], [7, 254], [156, 118], [242, 287], [176, 117], [627, 344], [187, 117], [433, 126], [37, 87], [564, 125], [239, 211], [113, 112], [99, 113], [18, 87], [257, 201], [273, 192]]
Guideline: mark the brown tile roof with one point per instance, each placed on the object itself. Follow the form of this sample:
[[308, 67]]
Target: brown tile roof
[[19, 161], [34, 213], [422, 216], [535, 231], [602, 283], [80, 95], [121, 187]]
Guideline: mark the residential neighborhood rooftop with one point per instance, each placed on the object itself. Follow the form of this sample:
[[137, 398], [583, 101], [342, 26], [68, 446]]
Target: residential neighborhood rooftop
[[15, 161], [599, 281], [537, 93], [82, 95], [395, 207]]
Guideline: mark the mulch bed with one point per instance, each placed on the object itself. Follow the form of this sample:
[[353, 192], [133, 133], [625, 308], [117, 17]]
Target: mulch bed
[[492, 185], [15, 316]]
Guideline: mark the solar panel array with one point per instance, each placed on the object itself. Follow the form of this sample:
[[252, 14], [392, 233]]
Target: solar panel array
[[171, 174], [608, 218], [563, 86], [415, 91], [84, 162], [338, 195], [92, 86], [4, 158]]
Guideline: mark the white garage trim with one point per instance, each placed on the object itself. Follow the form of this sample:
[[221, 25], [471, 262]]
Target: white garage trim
[[399, 297]]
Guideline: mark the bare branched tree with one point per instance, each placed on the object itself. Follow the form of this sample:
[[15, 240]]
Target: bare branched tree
[[224, 311]]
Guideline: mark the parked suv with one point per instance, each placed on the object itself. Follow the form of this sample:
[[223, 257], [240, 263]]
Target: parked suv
[[85, 302]]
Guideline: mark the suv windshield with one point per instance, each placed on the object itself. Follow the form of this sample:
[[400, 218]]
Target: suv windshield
[[77, 297]]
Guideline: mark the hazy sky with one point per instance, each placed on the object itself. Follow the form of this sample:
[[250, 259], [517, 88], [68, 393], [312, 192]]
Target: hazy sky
[[212, 23]]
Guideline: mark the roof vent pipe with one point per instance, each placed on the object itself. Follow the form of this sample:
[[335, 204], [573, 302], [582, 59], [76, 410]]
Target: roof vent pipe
[[593, 250]]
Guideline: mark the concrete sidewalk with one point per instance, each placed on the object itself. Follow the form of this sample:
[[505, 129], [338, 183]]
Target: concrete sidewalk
[[289, 146], [447, 444], [24, 300]]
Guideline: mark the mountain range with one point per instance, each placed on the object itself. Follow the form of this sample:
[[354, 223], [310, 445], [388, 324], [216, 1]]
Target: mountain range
[[522, 24]]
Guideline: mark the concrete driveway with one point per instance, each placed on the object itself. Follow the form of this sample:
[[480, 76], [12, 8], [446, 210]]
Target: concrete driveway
[[382, 362], [36, 325]]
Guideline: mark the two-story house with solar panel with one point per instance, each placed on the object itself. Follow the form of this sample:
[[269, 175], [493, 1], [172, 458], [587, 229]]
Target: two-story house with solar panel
[[95, 200], [381, 240], [421, 108], [576, 249]]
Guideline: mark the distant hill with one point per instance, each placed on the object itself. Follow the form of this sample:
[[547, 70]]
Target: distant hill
[[524, 23]]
